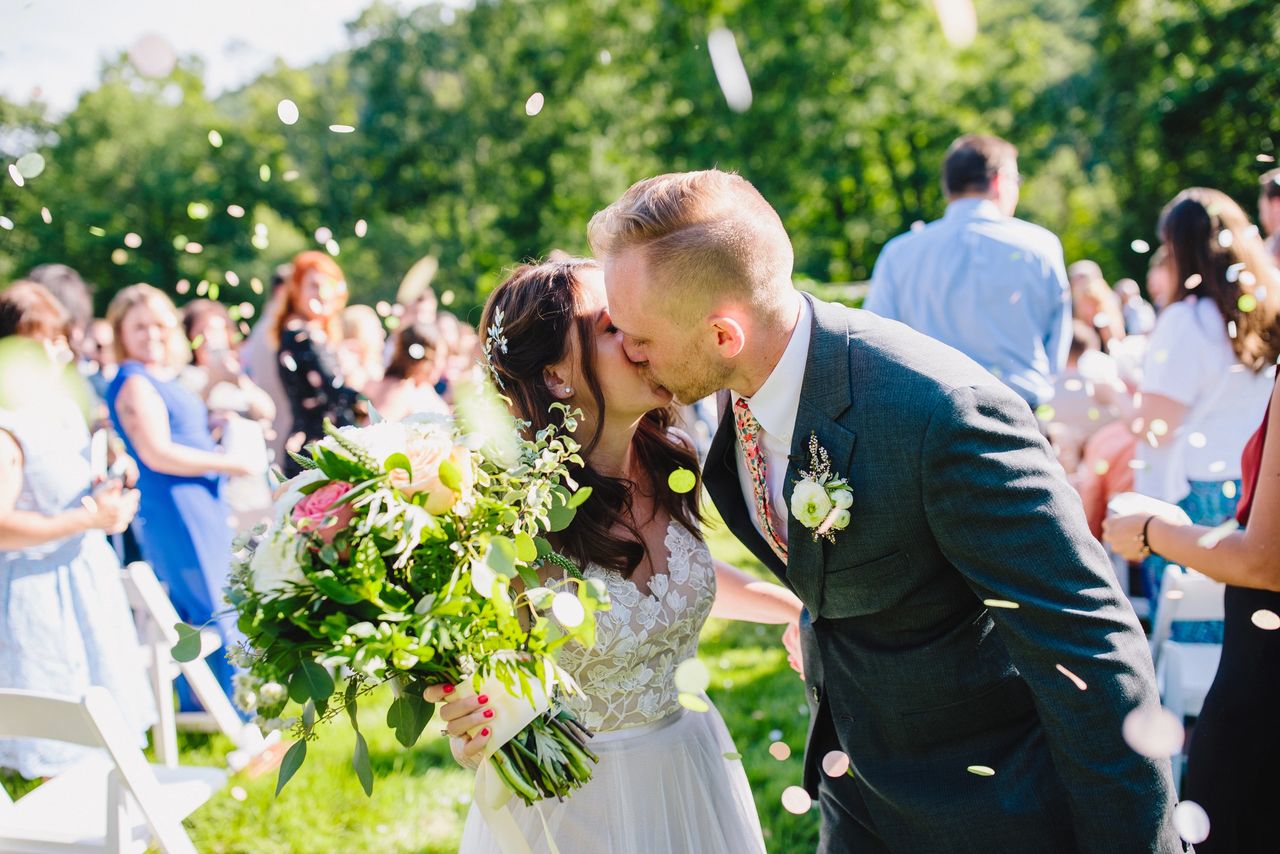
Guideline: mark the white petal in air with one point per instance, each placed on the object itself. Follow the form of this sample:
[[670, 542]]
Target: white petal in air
[[1191, 822], [726, 61], [534, 105], [959, 21], [1154, 732], [287, 111]]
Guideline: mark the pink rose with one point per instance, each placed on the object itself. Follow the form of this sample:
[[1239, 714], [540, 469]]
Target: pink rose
[[426, 454], [317, 514]]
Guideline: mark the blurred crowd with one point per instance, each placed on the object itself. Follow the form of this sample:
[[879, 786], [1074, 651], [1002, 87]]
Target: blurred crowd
[[1153, 387]]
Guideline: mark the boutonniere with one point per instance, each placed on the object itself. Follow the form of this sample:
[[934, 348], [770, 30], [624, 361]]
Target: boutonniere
[[821, 501]]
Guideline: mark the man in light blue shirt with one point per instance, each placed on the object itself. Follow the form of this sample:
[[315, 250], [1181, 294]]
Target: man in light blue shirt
[[979, 279]]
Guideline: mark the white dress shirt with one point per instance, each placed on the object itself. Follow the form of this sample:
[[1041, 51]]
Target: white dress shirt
[[775, 405]]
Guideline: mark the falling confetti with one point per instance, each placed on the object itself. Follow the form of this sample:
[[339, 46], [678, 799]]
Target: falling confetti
[[331, 246], [731, 74], [1266, 158], [233, 279], [1197, 440], [1153, 731], [693, 703], [568, 610], [31, 165], [119, 256], [6, 223], [733, 756], [534, 105], [959, 21], [1000, 603], [255, 284], [193, 248], [1079, 683], [1191, 822], [1226, 238], [238, 793], [362, 228], [247, 310], [215, 139], [287, 111], [796, 800], [183, 286], [323, 234], [681, 481], [780, 751], [1045, 412], [1218, 534], [97, 231], [132, 240], [16, 176], [605, 57], [342, 129], [1101, 467], [1142, 247], [1193, 281], [692, 677], [1159, 426], [290, 175], [1229, 489], [198, 210], [981, 770], [152, 56], [235, 211], [264, 173], [835, 763], [1268, 621], [1247, 303]]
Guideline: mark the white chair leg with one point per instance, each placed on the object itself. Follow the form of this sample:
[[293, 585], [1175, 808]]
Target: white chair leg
[[119, 820]]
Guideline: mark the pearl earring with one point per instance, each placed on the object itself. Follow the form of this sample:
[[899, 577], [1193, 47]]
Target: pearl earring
[[568, 392]]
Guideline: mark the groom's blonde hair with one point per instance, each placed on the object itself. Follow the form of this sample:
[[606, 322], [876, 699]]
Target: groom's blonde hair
[[707, 232]]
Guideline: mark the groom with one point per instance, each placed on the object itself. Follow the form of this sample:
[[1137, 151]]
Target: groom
[[964, 621]]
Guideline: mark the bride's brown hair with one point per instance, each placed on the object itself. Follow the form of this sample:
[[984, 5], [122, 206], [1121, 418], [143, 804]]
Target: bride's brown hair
[[541, 307]]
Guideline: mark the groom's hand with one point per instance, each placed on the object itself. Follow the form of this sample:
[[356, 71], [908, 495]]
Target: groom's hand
[[791, 641]]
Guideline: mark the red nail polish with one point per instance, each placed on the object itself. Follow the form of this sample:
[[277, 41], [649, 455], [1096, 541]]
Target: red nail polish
[[448, 689], [488, 713], [484, 731], [482, 699]]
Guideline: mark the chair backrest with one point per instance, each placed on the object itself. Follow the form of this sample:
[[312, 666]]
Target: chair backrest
[[1184, 595], [95, 721]]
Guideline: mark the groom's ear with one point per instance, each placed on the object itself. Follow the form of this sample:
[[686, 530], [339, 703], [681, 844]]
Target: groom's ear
[[730, 337]]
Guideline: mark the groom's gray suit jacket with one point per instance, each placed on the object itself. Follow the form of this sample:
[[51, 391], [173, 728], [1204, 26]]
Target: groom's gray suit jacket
[[957, 500]]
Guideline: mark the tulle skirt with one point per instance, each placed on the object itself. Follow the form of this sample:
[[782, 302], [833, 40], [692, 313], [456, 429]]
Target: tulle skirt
[[661, 788]]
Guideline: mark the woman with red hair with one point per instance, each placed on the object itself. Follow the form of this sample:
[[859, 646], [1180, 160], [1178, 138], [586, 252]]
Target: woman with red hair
[[308, 332]]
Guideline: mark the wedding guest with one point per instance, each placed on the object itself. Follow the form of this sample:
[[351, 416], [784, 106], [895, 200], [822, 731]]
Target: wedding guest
[[261, 358], [240, 411], [408, 387], [66, 623], [75, 294], [1139, 315], [990, 285], [364, 343], [308, 331], [1087, 395], [1093, 301], [1269, 210], [1160, 279], [215, 372], [1235, 746], [1209, 367], [182, 518]]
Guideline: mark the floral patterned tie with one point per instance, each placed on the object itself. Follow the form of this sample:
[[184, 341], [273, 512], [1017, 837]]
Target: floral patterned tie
[[749, 438]]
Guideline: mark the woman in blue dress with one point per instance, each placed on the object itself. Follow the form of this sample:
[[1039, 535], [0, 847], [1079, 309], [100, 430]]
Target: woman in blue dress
[[182, 520], [64, 618]]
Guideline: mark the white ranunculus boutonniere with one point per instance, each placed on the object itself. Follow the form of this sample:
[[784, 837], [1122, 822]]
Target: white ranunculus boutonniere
[[821, 501]]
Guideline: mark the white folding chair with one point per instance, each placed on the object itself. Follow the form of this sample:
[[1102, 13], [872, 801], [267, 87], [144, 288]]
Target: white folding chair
[[111, 801], [156, 618], [1184, 671]]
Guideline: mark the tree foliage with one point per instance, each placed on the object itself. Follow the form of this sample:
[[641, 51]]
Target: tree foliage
[[1114, 104]]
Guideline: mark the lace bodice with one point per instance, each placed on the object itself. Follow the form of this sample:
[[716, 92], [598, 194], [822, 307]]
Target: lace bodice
[[628, 677]]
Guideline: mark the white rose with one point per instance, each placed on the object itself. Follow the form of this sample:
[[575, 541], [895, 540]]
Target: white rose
[[810, 503], [272, 694], [841, 520], [842, 498], [275, 565]]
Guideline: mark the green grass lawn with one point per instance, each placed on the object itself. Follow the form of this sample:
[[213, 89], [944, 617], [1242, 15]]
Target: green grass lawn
[[421, 796]]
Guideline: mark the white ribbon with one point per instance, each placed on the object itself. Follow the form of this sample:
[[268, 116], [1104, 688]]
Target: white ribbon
[[512, 713]]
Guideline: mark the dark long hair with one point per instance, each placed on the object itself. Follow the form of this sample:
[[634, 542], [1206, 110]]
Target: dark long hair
[[542, 307], [1217, 254]]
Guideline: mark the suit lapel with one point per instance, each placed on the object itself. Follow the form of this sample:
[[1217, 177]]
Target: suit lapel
[[720, 476], [825, 396]]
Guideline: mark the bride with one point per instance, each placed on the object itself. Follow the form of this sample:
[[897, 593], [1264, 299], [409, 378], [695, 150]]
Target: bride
[[664, 782]]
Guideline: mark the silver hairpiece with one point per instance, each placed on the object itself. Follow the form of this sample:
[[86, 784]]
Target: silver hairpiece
[[495, 339]]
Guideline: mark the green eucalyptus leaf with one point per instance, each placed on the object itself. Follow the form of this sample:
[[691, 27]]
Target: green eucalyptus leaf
[[188, 646], [501, 557], [310, 682], [450, 476], [526, 548], [580, 496], [360, 761], [544, 546], [290, 764], [560, 514], [349, 701], [408, 716]]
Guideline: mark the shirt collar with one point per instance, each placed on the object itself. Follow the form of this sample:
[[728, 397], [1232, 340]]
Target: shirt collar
[[777, 402], [973, 208]]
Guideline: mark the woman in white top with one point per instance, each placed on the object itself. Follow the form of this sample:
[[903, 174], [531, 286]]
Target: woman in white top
[[1210, 364]]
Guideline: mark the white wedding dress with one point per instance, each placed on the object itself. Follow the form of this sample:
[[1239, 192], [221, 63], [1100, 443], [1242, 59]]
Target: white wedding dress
[[663, 784]]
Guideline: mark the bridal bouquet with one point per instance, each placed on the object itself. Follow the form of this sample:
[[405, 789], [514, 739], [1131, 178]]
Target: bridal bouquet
[[391, 558]]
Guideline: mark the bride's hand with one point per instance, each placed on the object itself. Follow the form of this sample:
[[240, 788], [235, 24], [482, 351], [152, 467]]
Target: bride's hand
[[791, 641], [461, 715]]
